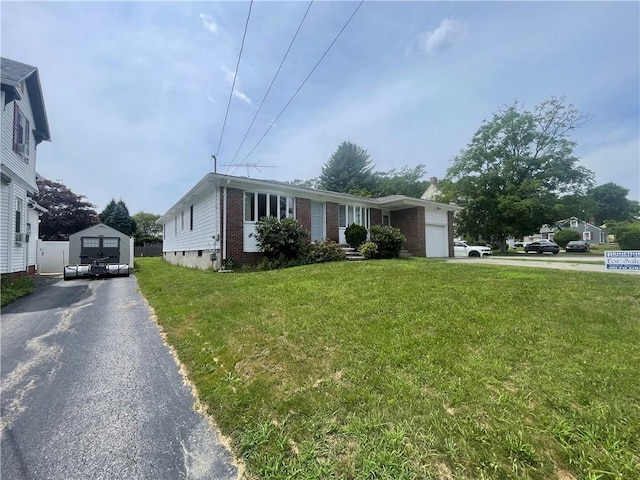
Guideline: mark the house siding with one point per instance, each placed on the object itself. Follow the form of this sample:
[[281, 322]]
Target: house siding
[[411, 223], [5, 222], [26, 170], [235, 228], [375, 216], [303, 212]]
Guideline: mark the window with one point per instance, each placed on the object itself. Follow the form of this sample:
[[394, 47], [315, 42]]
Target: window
[[191, 217], [199, 253], [110, 242], [90, 242], [386, 219], [175, 226], [182, 220], [258, 205], [349, 214], [20, 133], [586, 236], [573, 223], [18, 225]]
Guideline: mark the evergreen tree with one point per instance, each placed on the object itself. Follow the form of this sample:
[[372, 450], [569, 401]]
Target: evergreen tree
[[348, 171]]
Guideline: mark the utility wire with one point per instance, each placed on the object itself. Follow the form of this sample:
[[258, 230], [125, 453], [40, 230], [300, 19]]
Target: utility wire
[[235, 75], [272, 81], [305, 81]]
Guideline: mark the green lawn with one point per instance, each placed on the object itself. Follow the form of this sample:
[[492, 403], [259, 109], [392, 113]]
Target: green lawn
[[412, 368], [12, 288]]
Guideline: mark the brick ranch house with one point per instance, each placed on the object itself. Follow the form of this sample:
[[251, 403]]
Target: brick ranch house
[[215, 219]]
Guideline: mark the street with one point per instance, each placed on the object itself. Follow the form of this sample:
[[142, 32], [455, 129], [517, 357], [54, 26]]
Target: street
[[89, 390]]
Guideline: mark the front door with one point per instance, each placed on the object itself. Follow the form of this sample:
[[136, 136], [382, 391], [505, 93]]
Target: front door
[[317, 221]]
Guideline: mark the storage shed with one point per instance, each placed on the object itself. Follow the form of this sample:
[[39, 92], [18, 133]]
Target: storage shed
[[99, 241]]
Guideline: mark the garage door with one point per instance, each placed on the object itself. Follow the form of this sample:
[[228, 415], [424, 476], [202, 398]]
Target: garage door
[[436, 238]]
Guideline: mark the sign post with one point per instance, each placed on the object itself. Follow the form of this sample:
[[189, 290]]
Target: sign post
[[622, 259]]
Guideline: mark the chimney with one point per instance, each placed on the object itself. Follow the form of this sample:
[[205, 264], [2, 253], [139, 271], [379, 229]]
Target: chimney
[[433, 180]]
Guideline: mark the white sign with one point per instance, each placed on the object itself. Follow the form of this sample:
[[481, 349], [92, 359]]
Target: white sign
[[622, 259]]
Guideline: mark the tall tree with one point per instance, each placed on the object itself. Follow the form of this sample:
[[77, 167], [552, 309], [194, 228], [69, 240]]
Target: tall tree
[[147, 230], [408, 181], [116, 215], [509, 177], [68, 212], [610, 202], [348, 170]]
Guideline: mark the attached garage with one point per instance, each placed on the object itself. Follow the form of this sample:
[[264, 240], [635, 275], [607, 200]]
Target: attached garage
[[437, 241]]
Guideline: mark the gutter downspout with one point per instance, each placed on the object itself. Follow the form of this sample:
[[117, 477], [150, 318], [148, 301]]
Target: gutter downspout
[[224, 225]]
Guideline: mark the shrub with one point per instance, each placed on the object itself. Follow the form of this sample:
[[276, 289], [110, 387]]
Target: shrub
[[355, 235], [389, 240], [628, 236], [368, 250], [562, 237], [326, 251], [283, 240]]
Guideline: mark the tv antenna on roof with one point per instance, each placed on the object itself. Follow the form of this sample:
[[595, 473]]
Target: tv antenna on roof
[[248, 166]]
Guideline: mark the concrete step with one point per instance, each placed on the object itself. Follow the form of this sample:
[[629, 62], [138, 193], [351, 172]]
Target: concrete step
[[405, 253]]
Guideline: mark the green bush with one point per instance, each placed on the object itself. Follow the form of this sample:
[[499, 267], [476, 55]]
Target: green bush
[[282, 240], [389, 240], [326, 251], [355, 235], [628, 236], [562, 237], [368, 250]]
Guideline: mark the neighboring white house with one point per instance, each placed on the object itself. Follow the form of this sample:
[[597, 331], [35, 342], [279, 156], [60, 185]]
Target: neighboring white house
[[432, 190], [24, 126]]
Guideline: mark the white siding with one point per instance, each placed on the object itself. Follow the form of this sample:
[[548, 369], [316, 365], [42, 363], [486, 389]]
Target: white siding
[[32, 246], [206, 221], [17, 251], [5, 230], [10, 159]]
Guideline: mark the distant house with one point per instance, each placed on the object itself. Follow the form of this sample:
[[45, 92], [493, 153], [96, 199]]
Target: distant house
[[587, 231], [432, 190], [24, 127], [216, 219]]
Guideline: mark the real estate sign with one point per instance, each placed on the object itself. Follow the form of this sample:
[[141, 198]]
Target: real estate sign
[[622, 259]]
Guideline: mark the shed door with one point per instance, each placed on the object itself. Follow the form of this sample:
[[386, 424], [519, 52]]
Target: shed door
[[317, 221], [436, 238], [98, 247]]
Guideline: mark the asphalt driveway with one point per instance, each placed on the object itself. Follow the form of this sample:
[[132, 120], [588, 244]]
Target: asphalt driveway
[[89, 390]]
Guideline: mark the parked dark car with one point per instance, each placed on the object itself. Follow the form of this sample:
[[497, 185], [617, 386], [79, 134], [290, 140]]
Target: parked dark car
[[542, 246], [577, 246]]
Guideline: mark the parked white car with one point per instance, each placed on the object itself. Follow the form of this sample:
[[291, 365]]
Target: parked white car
[[463, 249]]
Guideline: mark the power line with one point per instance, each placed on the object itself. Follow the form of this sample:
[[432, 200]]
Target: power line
[[235, 75], [304, 81], [272, 81]]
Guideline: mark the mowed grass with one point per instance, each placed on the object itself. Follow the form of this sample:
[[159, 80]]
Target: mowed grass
[[408, 369]]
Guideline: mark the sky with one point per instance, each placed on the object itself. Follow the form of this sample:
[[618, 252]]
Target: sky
[[136, 92]]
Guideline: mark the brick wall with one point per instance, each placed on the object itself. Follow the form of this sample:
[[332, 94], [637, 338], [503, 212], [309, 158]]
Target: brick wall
[[410, 221], [303, 212], [375, 216], [333, 214], [450, 229], [234, 238]]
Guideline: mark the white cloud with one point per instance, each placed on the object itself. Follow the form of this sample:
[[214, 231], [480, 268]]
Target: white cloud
[[209, 23], [448, 33], [228, 75], [238, 94]]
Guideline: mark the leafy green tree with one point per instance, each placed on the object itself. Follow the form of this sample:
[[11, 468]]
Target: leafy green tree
[[610, 202], [68, 212], [564, 236], [116, 215], [408, 181], [147, 228], [510, 176], [347, 171]]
